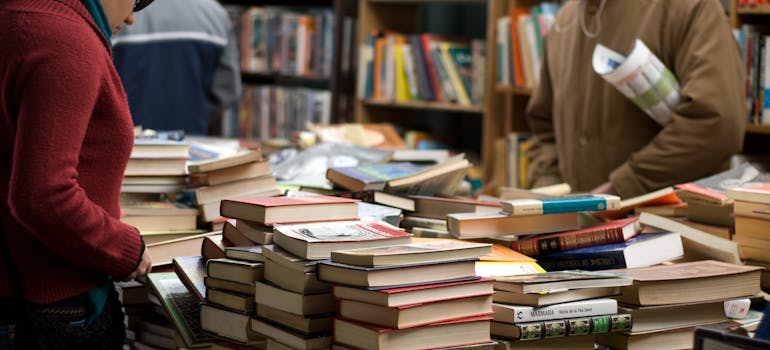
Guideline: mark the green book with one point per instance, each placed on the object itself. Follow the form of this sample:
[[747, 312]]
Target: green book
[[181, 306]]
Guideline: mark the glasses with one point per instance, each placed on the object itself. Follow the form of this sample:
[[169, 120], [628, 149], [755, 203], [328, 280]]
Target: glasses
[[141, 4]]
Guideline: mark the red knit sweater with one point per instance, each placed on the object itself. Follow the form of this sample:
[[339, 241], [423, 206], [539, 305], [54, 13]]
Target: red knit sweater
[[65, 137]]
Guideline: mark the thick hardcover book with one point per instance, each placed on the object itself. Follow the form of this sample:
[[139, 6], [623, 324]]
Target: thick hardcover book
[[381, 277], [520, 313], [268, 210], [415, 315], [643, 250], [400, 296], [559, 280], [412, 253], [615, 231], [562, 328], [317, 240], [564, 204]]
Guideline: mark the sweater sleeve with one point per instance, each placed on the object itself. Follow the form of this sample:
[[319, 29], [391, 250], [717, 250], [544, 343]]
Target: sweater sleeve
[[708, 125], [57, 90], [542, 154]]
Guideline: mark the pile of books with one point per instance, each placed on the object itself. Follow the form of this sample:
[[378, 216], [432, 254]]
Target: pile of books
[[557, 310], [419, 295], [664, 316], [752, 226]]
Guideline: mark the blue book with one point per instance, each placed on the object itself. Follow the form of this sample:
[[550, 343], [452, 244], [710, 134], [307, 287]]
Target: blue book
[[423, 79], [371, 176], [563, 204], [643, 250]]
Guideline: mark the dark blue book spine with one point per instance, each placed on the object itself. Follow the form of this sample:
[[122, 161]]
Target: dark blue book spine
[[591, 261], [423, 80]]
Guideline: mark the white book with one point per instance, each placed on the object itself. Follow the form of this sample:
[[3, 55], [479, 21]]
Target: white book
[[520, 313]]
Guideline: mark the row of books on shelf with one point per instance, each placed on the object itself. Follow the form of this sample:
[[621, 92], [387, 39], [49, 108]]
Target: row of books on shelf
[[275, 112], [421, 67], [753, 40], [520, 43], [288, 41]]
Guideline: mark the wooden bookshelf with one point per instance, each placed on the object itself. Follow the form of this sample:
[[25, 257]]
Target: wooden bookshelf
[[754, 10], [758, 129], [425, 105]]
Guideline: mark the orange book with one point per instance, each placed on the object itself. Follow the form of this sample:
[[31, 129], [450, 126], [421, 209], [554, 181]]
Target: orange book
[[518, 67], [379, 60]]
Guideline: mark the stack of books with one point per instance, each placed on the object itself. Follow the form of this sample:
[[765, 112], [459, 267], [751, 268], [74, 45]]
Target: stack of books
[[410, 296], [752, 226], [217, 172], [429, 218], [556, 310], [610, 245], [664, 316], [156, 165]]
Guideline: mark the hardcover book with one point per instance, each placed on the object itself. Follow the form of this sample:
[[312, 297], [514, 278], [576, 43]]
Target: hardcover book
[[270, 210], [553, 297], [400, 275], [435, 336], [521, 313], [438, 207], [643, 250], [563, 204], [191, 270], [559, 280], [614, 231], [235, 270], [371, 176], [317, 240], [401, 296], [180, 305], [482, 225], [568, 327], [415, 315], [412, 253], [296, 303], [705, 280]]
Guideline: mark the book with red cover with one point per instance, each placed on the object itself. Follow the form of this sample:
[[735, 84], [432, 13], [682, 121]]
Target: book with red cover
[[400, 296], [471, 330], [271, 210], [415, 315], [614, 231]]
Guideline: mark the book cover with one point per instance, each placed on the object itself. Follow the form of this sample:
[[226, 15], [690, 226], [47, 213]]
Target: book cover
[[389, 276], [431, 251], [338, 231], [407, 295], [181, 306], [643, 250], [521, 313], [371, 176], [615, 231], [563, 204], [575, 326], [713, 189], [559, 280], [191, 270], [281, 201]]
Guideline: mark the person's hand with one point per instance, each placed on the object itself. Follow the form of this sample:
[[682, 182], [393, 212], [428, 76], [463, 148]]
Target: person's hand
[[145, 266], [605, 188]]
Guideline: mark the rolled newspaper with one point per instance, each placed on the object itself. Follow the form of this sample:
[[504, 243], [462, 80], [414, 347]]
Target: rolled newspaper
[[641, 77]]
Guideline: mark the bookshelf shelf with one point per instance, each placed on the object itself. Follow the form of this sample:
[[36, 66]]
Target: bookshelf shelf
[[754, 10], [425, 105], [758, 129], [288, 80], [513, 90]]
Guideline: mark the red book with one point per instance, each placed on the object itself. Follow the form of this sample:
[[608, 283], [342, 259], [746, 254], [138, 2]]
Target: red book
[[471, 330], [615, 231], [271, 210]]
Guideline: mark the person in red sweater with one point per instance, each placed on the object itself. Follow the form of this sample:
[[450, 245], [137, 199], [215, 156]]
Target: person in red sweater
[[65, 138]]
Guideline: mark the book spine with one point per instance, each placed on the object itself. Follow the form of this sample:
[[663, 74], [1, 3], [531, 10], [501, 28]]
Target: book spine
[[523, 314], [539, 245], [590, 261], [561, 205], [574, 326]]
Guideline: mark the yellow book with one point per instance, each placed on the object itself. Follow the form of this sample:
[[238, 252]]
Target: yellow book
[[454, 75], [402, 86]]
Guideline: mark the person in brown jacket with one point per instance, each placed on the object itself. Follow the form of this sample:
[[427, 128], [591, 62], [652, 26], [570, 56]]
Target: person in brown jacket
[[588, 134]]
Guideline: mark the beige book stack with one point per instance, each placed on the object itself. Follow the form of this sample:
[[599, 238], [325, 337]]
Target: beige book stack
[[752, 226], [664, 316], [417, 295]]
